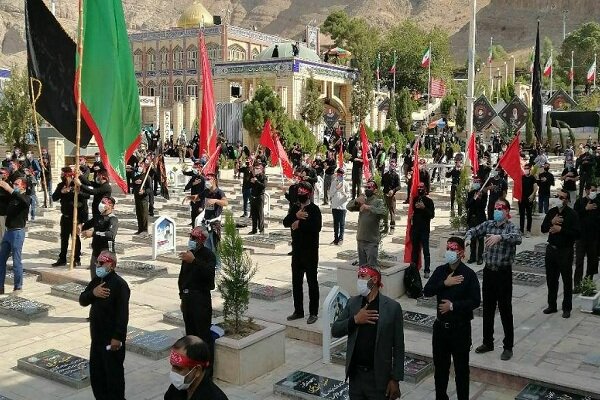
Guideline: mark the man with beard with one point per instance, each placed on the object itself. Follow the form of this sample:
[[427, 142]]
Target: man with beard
[[102, 228]]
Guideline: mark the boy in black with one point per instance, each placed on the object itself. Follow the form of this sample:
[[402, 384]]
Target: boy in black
[[545, 181], [529, 186], [454, 174], [476, 203]]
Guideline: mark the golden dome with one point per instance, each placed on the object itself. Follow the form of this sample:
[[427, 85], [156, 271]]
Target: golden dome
[[193, 15]]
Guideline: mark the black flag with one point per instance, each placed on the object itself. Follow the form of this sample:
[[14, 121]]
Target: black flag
[[51, 60], [536, 101]]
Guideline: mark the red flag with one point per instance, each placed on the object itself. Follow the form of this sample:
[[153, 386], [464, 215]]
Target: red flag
[[472, 153], [341, 157], [365, 151], [286, 166], [211, 165], [208, 129], [413, 193], [438, 88], [511, 163], [266, 140]]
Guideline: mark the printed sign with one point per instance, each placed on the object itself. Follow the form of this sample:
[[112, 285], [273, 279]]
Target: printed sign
[[515, 114], [334, 304], [483, 113], [163, 236]]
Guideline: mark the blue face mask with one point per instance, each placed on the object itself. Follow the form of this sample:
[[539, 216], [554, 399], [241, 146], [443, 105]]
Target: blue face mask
[[476, 186], [450, 256], [192, 244], [498, 216], [101, 272]]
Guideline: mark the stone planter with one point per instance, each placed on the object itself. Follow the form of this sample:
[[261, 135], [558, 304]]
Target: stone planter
[[241, 361], [391, 277], [588, 303]]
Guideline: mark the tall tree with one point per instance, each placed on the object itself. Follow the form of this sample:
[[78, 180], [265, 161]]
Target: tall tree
[[405, 105], [16, 114], [313, 107], [264, 105], [584, 42]]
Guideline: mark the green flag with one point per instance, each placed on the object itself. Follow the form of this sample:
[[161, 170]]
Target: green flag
[[109, 93]]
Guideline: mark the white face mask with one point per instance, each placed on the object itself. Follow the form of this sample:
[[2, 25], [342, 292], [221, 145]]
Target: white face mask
[[101, 208], [555, 202], [362, 286], [179, 380], [592, 195]]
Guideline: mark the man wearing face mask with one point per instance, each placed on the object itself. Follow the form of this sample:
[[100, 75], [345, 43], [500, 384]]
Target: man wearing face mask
[[330, 168], [454, 174], [102, 228], [456, 288], [545, 181], [190, 362], [100, 189], [528, 197], [588, 211], [497, 188], [141, 191], [501, 240], [214, 202], [357, 169], [424, 212], [246, 172], [476, 203], [339, 193], [570, 177], [7, 160], [585, 164], [14, 235], [424, 175], [257, 199], [97, 166], [305, 220], [563, 228], [371, 211], [108, 294], [4, 200], [391, 184], [196, 185], [196, 280], [375, 347]]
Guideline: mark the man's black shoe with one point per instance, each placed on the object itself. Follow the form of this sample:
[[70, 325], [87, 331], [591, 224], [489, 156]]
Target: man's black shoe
[[566, 314], [471, 261], [506, 355], [60, 263], [312, 319], [295, 316], [479, 262], [549, 310], [252, 233], [484, 348]]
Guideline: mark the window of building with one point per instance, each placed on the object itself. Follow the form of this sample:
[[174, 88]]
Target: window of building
[[177, 58], [192, 89], [255, 53], [178, 91], [214, 51], [151, 90], [151, 60], [140, 89], [236, 53], [164, 92], [192, 57], [164, 59], [137, 60]]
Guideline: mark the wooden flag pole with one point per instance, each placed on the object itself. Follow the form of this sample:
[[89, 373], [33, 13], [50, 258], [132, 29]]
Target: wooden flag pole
[[34, 98], [78, 135], [150, 166]]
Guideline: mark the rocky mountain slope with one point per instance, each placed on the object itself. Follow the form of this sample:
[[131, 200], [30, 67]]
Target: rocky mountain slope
[[510, 22]]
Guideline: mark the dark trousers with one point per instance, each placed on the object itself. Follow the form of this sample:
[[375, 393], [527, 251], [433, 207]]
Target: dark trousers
[[453, 199], [304, 265], [129, 183], [544, 203], [453, 343], [356, 183], [141, 213], [326, 185], [477, 246], [525, 210], [246, 199], [584, 179], [197, 317], [390, 202], [107, 374], [361, 386], [150, 202], [559, 262], [339, 222], [497, 289], [195, 207], [66, 228], [584, 248], [420, 239], [257, 212]]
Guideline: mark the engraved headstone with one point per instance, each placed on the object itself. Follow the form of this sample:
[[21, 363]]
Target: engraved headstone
[[268, 292], [176, 317], [23, 309], [46, 223], [522, 278], [121, 248], [69, 290], [304, 385], [264, 242], [10, 277], [419, 321], [534, 391], [46, 236], [328, 284], [153, 345], [141, 269], [58, 366], [530, 261]]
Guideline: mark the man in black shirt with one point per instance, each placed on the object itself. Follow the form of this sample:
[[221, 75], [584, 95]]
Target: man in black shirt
[[585, 163], [570, 177], [196, 185], [141, 189], [375, 347], [391, 184], [423, 213], [476, 203], [100, 189], [456, 288], [108, 294], [102, 228], [424, 174], [14, 236], [497, 188], [257, 199], [454, 174], [4, 199], [97, 166], [246, 172], [563, 227], [545, 182], [305, 221], [196, 280], [529, 187], [588, 211], [357, 169], [330, 167]]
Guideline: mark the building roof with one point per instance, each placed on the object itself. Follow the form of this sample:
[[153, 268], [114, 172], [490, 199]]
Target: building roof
[[194, 16], [285, 51]]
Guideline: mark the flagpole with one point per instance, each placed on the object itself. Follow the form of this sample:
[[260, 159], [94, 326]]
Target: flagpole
[[34, 99], [428, 81], [78, 135], [490, 64], [394, 81], [572, 73], [378, 72], [551, 72], [595, 69], [471, 70]]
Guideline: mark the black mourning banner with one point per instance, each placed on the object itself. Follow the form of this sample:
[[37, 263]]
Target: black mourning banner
[[51, 60], [559, 99], [331, 118], [483, 113], [576, 119], [515, 114]]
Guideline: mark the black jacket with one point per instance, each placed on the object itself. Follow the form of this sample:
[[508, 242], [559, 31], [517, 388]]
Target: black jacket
[[421, 219], [67, 200], [17, 210], [589, 219], [258, 186], [390, 181], [98, 190], [570, 228], [305, 239], [199, 275], [476, 208], [105, 232]]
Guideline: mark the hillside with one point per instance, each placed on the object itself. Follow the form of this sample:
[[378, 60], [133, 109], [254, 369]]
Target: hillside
[[510, 22]]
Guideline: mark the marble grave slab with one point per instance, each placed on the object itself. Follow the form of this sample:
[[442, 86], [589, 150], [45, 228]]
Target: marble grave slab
[[22, 308], [141, 269], [534, 391], [69, 290], [530, 261], [58, 366], [267, 292], [419, 321], [153, 345], [176, 317], [304, 385], [522, 278]]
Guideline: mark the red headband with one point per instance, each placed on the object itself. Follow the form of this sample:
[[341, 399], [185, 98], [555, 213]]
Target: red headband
[[182, 361], [454, 246], [105, 257], [502, 206], [198, 233], [303, 190], [372, 272]]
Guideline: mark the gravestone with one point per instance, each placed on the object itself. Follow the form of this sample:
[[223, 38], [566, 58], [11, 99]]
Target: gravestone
[[431, 302], [176, 317], [540, 247], [334, 304], [419, 321], [131, 225], [143, 238], [328, 284], [69, 290], [534, 391], [164, 237], [153, 345], [398, 240], [51, 254], [10, 277], [46, 223], [304, 385], [264, 242], [349, 225], [530, 261], [23, 309], [385, 259], [58, 366], [347, 255], [46, 236], [281, 235], [522, 278], [141, 269], [268, 292], [126, 215], [172, 258], [122, 247]]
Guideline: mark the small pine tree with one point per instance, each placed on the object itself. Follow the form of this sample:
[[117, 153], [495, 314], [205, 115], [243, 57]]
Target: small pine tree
[[529, 129], [236, 272], [459, 220]]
